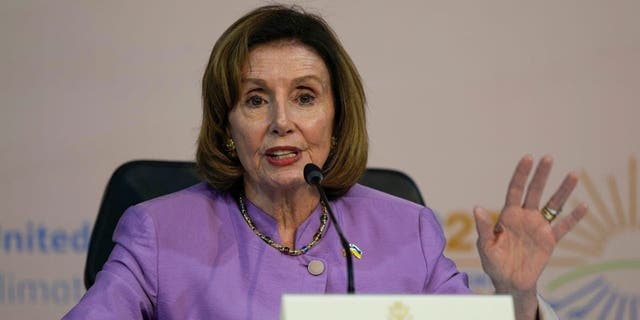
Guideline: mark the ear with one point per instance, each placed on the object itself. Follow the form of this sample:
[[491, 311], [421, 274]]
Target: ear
[[227, 129]]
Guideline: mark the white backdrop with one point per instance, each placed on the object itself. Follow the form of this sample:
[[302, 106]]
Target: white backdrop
[[458, 91]]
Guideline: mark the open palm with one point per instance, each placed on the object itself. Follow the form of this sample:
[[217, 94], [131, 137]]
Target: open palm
[[515, 250]]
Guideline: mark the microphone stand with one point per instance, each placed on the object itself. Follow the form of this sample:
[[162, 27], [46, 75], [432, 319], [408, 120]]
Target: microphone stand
[[314, 176]]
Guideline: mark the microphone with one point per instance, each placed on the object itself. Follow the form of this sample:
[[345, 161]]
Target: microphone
[[313, 175]]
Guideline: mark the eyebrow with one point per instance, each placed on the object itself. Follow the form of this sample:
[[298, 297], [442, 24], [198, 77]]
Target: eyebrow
[[259, 82], [300, 80], [296, 81]]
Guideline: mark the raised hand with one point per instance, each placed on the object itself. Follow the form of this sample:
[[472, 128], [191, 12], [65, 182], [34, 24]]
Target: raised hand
[[515, 250]]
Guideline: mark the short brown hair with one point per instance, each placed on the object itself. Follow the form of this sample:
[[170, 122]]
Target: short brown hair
[[221, 85]]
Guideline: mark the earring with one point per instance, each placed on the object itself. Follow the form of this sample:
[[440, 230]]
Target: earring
[[334, 143], [231, 147]]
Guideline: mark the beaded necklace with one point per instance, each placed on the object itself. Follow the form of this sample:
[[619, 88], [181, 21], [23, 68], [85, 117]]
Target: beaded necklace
[[286, 250]]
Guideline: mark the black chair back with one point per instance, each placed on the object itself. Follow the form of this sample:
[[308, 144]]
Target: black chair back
[[141, 180]]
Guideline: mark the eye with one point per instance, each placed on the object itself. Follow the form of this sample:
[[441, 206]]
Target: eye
[[306, 99], [255, 101]]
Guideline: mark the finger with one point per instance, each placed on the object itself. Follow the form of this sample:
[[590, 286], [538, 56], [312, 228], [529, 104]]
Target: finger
[[564, 191], [567, 223], [518, 181], [484, 225], [536, 186]]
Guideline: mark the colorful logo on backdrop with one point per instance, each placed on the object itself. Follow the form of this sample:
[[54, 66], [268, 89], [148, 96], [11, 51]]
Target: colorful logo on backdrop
[[595, 270]]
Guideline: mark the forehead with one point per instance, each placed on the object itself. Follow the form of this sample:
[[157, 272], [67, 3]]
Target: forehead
[[284, 59]]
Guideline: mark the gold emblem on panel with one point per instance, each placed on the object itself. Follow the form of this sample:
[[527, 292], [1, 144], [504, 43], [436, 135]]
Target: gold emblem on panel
[[399, 311]]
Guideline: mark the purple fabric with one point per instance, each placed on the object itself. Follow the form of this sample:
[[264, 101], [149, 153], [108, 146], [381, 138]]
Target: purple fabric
[[190, 255]]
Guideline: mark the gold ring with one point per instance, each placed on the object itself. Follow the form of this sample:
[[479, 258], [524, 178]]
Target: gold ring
[[549, 213]]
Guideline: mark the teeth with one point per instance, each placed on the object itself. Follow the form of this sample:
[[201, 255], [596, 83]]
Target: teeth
[[282, 153]]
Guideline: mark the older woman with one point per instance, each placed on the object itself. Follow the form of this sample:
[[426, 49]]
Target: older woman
[[280, 92]]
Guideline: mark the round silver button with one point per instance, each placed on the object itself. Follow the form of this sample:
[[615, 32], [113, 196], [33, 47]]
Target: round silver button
[[315, 267]]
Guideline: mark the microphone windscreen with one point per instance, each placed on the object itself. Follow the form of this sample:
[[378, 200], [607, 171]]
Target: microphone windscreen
[[313, 174]]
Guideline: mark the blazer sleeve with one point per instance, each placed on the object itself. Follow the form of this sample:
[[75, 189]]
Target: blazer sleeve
[[127, 286], [443, 276]]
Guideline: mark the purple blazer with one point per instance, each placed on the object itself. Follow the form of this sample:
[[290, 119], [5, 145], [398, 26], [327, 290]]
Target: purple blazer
[[190, 255]]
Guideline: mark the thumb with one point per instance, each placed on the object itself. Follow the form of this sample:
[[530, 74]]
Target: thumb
[[484, 224]]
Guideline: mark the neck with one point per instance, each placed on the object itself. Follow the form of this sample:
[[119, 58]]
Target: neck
[[288, 207]]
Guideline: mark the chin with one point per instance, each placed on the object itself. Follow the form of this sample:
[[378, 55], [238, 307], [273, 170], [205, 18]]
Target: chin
[[288, 180]]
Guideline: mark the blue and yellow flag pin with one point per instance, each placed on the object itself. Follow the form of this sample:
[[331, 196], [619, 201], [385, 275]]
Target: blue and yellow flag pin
[[355, 251]]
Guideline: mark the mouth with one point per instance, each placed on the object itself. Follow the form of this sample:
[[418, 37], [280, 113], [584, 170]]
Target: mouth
[[282, 155]]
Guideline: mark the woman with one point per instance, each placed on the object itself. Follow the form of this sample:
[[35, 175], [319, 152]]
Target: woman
[[280, 92]]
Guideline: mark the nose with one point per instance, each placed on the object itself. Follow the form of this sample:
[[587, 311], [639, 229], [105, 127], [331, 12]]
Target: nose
[[281, 122]]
